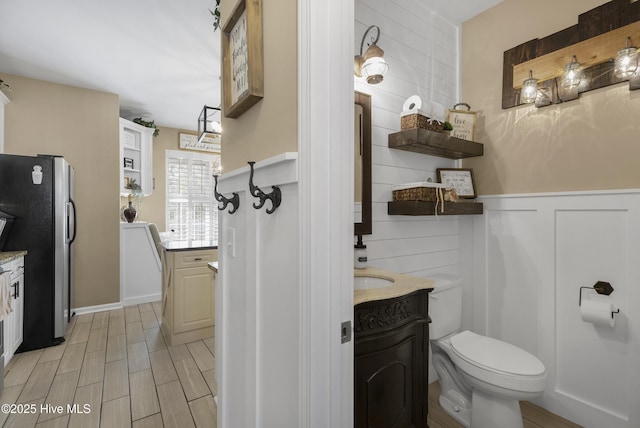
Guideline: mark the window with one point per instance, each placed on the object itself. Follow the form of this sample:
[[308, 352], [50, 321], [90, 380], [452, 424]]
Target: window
[[192, 211]]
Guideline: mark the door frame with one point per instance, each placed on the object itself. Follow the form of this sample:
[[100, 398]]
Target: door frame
[[325, 125]]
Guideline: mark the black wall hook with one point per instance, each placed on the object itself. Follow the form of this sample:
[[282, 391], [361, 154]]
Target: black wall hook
[[275, 196], [233, 200]]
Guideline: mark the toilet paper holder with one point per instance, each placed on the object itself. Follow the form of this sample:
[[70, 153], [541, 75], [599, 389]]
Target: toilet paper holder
[[600, 287]]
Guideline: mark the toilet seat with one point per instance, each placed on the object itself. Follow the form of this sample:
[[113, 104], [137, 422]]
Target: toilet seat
[[495, 355], [497, 363]]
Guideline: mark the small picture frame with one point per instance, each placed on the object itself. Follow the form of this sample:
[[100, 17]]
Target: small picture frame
[[460, 179], [463, 123], [127, 182], [128, 163]]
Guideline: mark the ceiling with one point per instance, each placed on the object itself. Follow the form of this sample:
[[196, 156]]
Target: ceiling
[[162, 57]]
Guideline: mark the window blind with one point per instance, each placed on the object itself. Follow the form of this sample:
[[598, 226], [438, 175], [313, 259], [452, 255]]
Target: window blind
[[192, 212]]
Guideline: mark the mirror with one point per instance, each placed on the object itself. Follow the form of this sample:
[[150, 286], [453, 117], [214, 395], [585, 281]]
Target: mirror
[[362, 164]]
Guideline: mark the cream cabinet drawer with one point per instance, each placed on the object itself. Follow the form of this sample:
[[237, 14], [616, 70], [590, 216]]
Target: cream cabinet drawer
[[187, 259]]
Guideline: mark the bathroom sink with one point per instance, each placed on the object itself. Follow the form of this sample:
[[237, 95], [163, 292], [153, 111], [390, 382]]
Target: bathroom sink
[[370, 282]]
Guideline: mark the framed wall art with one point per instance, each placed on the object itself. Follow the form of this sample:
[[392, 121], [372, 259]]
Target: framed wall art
[[461, 179], [463, 122], [242, 67]]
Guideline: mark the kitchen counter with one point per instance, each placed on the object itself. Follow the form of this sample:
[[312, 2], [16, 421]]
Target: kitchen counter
[[186, 246], [213, 266], [402, 285], [8, 256]]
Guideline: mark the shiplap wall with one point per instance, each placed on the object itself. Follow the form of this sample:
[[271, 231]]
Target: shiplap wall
[[422, 51]]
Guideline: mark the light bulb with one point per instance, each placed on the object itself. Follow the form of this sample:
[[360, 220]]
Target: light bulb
[[529, 89]]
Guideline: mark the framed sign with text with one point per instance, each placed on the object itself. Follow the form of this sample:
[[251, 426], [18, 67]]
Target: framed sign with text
[[463, 122], [210, 143], [242, 68], [460, 179]]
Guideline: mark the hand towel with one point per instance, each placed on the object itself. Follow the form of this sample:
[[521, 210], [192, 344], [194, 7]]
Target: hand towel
[[5, 295]]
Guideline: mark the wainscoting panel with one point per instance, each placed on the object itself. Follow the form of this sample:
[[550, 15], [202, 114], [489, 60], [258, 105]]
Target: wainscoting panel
[[512, 277], [526, 258], [257, 313]]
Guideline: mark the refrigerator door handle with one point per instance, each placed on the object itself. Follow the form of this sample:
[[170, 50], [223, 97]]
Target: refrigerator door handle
[[71, 219]]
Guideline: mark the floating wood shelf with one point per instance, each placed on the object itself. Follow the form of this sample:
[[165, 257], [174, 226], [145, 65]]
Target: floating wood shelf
[[435, 144], [429, 208]]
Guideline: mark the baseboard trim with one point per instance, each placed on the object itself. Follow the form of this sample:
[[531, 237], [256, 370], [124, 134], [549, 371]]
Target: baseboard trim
[[142, 299], [97, 308]]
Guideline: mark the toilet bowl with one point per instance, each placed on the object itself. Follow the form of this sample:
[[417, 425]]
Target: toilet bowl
[[482, 379]]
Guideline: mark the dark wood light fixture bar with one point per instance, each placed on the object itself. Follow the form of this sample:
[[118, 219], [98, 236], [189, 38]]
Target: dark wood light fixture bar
[[603, 24]]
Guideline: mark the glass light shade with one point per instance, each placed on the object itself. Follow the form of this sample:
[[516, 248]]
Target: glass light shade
[[572, 74], [374, 65], [626, 63], [529, 89], [373, 70]]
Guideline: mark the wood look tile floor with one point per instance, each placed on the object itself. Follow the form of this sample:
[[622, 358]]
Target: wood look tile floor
[[532, 416], [117, 364]]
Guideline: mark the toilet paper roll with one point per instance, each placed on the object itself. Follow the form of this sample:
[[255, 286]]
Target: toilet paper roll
[[412, 103], [598, 312]]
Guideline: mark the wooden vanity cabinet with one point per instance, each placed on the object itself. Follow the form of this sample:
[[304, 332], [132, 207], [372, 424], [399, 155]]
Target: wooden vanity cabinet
[[391, 362]]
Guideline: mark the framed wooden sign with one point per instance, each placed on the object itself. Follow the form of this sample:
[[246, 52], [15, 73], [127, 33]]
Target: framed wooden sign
[[242, 68], [460, 179], [210, 143], [463, 123]]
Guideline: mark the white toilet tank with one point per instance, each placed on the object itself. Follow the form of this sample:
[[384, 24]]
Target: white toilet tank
[[445, 305]]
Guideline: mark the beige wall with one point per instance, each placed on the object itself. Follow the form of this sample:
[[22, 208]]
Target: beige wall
[[587, 144], [271, 126], [82, 126]]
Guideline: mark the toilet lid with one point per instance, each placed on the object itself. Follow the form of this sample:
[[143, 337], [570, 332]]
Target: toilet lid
[[495, 354]]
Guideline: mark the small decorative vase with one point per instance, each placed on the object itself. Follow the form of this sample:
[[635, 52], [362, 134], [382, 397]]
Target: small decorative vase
[[130, 212]]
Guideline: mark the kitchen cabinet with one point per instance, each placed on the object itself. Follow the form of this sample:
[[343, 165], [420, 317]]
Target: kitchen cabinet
[[391, 361], [188, 295], [13, 323], [136, 157]]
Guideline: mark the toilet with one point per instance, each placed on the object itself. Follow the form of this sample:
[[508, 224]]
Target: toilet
[[481, 379]]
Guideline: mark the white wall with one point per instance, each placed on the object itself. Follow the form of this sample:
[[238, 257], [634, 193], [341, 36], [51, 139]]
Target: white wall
[[257, 301], [422, 52], [531, 253]]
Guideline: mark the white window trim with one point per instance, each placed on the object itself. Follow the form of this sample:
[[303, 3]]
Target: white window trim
[[191, 156]]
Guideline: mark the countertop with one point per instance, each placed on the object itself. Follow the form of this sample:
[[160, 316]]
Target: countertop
[[402, 285], [186, 246], [8, 256], [213, 266]]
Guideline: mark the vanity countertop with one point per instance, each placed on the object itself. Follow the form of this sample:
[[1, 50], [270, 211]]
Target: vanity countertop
[[402, 285], [8, 256]]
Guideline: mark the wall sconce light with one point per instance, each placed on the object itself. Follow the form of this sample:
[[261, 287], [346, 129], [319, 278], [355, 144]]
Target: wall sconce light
[[209, 127], [372, 65], [529, 89], [626, 61], [572, 74]]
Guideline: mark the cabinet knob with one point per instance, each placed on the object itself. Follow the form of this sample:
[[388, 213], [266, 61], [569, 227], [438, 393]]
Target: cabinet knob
[[198, 259]]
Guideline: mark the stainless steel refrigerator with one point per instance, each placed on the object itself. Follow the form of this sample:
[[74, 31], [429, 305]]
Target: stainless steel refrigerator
[[39, 192]]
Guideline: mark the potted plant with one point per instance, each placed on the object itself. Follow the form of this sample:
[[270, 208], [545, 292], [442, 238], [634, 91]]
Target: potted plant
[[151, 124]]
